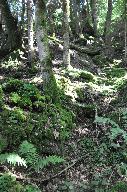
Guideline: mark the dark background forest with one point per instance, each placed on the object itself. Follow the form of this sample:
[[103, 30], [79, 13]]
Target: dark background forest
[[63, 95]]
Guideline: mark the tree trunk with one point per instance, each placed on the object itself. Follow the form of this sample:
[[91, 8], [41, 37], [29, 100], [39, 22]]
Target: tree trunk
[[75, 23], [108, 21], [66, 12], [30, 31], [13, 39], [107, 36], [49, 83], [23, 13], [94, 15], [125, 29]]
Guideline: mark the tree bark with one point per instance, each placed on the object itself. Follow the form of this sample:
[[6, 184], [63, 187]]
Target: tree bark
[[14, 38], [94, 15], [49, 83], [108, 20], [30, 31], [66, 12], [23, 13], [75, 21]]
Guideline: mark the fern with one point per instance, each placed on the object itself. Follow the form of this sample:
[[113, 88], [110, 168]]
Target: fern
[[43, 162], [115, 129], [12, 159], [30, 188], [29, 152], [104, 120]]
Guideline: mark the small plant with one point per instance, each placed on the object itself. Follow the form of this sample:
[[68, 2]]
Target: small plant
[[15, 98]]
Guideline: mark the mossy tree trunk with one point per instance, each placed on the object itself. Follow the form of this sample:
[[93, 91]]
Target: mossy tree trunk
[[13, 33], [66, 14], [49, 83]]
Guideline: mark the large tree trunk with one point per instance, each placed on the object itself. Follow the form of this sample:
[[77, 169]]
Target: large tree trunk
[[13, 39], [94, 15], [66, 12], [30, 31], [108, 20], [49, 83]]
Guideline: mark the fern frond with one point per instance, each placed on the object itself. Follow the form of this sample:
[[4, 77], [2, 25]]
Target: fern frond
[[12, 159], [29, 152], [43, 162], [104, 120]]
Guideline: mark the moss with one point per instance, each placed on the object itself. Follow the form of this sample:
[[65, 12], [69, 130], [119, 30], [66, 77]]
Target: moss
[[119, 186], [88, 77], [25, 102], [115, 72], [100, 60], [39, 106], [51, 89], [12, 85], [9, 184]]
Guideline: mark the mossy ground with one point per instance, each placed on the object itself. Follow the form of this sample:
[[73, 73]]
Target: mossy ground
[[67, 126]]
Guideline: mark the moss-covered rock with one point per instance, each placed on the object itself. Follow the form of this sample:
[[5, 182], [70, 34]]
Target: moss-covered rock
[[39, 106], [12, 85], [87, 77]]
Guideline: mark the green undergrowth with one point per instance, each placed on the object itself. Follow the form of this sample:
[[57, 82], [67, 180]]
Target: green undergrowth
[[27, 156], [27, 113], [80, 75], [8, 183], [107, 154]]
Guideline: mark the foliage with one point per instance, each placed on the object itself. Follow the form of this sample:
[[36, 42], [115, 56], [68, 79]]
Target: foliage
[[119, 186], [34, 160], [9, 184], [12, 159]]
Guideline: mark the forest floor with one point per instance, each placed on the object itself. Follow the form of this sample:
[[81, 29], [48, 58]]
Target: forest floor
[[93, 162]]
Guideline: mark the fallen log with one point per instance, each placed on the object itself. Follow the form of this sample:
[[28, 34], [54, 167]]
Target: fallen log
[[86, 50]]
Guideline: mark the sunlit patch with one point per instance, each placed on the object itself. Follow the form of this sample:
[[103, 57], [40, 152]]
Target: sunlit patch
[[38, 79]]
